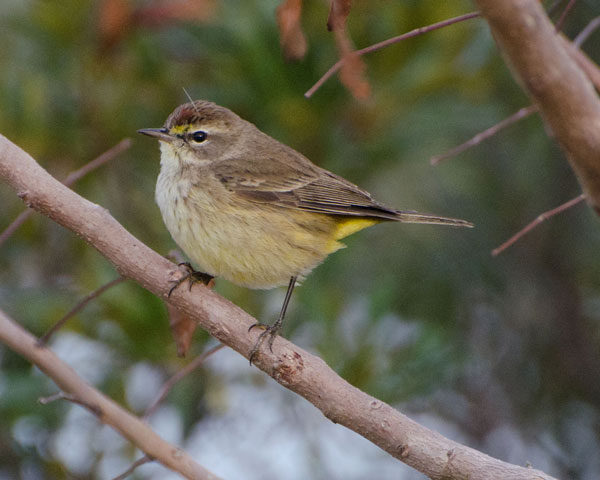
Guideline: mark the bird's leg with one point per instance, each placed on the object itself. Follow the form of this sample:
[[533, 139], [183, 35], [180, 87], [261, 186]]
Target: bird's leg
[[192, 276], [272, 330]]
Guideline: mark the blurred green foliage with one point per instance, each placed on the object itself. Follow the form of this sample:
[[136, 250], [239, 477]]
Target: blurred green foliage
[[415, 315]]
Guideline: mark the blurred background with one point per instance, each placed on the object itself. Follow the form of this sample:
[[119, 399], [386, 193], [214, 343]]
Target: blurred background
[[500, 353]]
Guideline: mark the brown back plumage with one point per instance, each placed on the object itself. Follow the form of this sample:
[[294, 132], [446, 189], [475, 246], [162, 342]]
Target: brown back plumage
[[301, 185], [264, 170]]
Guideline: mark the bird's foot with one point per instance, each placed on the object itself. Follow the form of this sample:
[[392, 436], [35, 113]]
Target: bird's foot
[[192, 276], [268, 330]]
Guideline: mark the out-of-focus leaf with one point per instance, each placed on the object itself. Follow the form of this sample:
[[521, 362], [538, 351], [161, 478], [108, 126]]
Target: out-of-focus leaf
[[113, 21], [118, 17], [352, 73], [338, 13], [160, 13], [291, 36], [182, 328]]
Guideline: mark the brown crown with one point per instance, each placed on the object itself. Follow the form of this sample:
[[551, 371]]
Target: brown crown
[[199, 111]]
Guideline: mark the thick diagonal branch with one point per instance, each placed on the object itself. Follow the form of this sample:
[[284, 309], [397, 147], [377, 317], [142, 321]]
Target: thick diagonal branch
[[107, 411], [294, 368]]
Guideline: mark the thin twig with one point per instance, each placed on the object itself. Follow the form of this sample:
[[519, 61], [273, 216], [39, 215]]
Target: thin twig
[[480, 137], [103, 158], [563, 16], [139, 462], [57, 396], [70, 398], [70, 179], [586, 32], [88, 298], [387, 43], [170, 383], [541, 218], [15, 224], [554, 7], [585, 63]]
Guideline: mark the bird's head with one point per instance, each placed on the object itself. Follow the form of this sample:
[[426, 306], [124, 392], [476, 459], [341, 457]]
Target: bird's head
[[199, 132]]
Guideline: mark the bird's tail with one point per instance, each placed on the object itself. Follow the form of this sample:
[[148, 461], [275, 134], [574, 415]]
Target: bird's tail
[[414, 217]]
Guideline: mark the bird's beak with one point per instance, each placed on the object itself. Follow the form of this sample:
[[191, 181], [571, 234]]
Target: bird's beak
[[159, 133]]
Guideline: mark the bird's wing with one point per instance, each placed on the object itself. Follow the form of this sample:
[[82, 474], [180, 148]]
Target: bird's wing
[[290, 180]]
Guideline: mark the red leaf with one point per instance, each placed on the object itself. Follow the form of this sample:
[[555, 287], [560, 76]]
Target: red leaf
[[352, 71], [114, 18], [183, 329], [291, 36], [164, 12]]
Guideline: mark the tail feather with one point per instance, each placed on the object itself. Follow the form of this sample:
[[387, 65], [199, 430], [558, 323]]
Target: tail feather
[[414, 217]]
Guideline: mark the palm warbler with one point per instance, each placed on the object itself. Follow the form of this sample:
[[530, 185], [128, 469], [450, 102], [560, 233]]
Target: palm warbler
[[252, 210]]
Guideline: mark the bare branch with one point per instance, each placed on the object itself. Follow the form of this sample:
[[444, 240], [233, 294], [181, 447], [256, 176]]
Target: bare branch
[[586, 32], [590, 68], [88, 298], [563, 15], [14, 225], [294, 368], [481, 136], [386, 43], [107, 411], [70, 398], [565, 96], [57, 396], [100, 160], [70, 180], [539, 219], [171, 382]]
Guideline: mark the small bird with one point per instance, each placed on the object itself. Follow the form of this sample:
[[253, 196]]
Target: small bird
[[251, 210]]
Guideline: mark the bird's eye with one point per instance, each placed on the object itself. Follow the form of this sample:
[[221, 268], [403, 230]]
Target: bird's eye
[[199, 136]]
